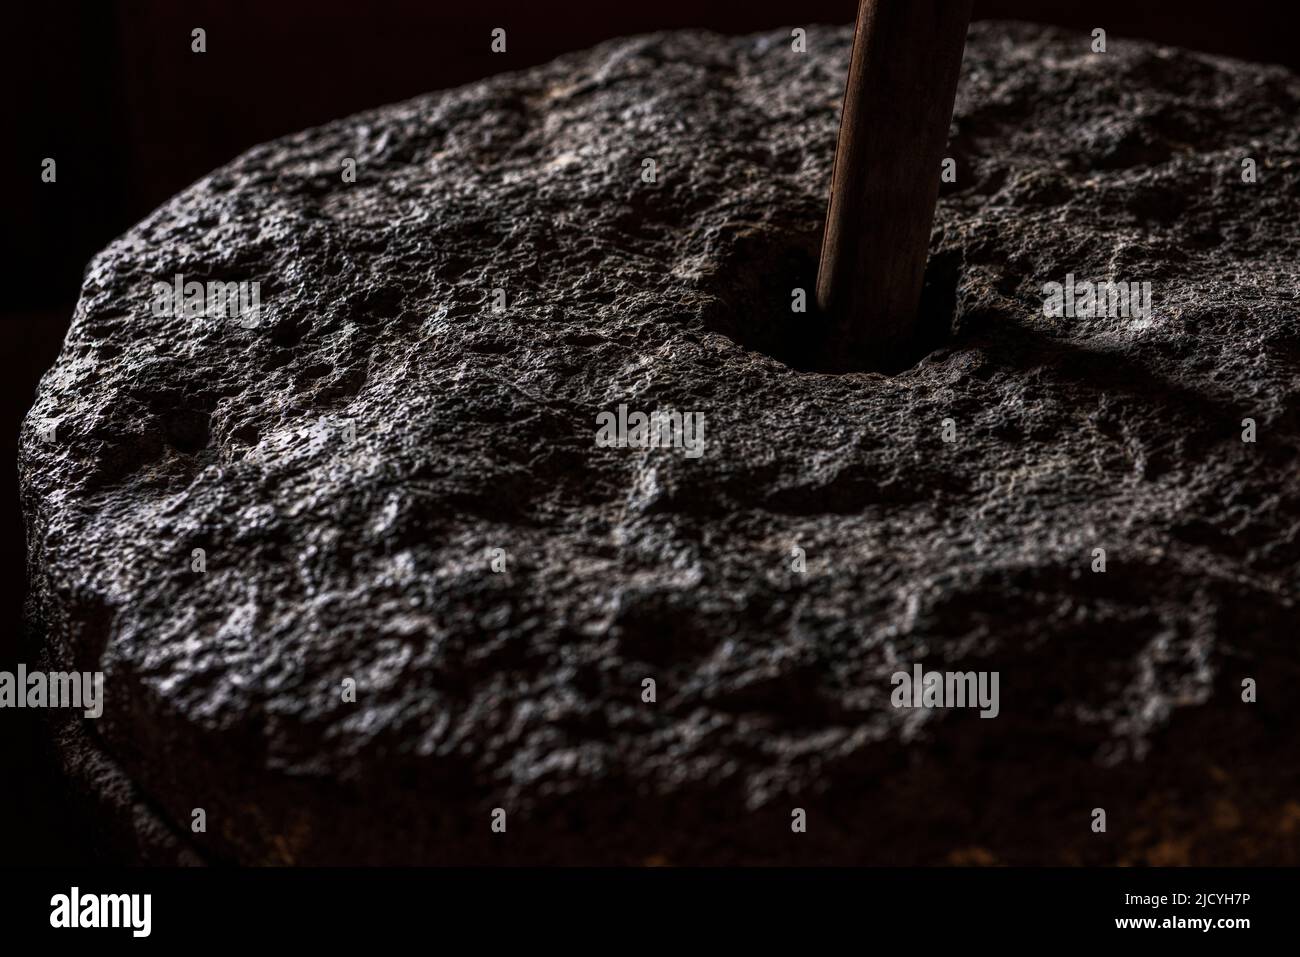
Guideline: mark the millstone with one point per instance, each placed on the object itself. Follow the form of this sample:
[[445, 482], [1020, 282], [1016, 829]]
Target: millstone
[[359, 573]]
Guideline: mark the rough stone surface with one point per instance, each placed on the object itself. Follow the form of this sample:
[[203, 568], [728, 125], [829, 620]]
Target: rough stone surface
[[329, 559]]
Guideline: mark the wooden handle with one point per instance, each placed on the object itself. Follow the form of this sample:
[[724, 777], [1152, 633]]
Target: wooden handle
[[897, 107]]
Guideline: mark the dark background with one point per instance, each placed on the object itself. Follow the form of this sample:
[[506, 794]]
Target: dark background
[[132, 116]]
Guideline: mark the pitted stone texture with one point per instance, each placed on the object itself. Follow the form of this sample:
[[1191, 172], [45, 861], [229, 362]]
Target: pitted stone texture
[[475, 430]]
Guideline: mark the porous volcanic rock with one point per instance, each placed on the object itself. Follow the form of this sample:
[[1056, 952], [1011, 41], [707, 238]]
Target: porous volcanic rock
[[350, 464]]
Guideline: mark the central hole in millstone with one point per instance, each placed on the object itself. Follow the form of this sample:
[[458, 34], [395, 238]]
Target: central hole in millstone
[[756, 288]]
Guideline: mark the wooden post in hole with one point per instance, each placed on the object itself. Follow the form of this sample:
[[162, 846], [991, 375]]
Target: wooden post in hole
[[897, 108]]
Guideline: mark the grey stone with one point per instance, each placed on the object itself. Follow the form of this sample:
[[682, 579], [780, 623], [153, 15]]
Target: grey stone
[[367, 557]]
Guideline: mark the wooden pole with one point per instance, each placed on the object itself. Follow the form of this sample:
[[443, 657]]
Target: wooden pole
[[897, 108]]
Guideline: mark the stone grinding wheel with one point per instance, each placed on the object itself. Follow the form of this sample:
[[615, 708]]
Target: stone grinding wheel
[[333, 556]]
